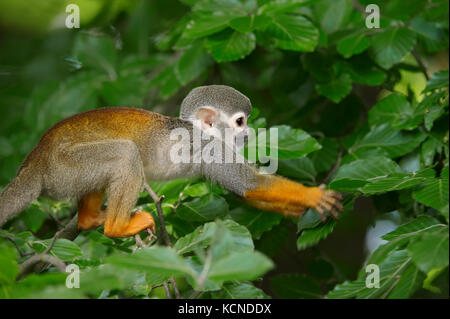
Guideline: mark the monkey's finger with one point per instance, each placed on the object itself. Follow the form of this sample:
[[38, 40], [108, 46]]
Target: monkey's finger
[[334, 202], [334, 213], [327, 206], [334, 194], [331, 209], [321, 213], [322, 186], [139, 242]]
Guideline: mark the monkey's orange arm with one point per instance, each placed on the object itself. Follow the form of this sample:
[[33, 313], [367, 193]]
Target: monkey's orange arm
[[286, 197]]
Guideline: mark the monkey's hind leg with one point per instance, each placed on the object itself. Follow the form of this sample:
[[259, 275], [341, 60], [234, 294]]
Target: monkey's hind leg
[[89, 213], [123, 190], [116, 167]]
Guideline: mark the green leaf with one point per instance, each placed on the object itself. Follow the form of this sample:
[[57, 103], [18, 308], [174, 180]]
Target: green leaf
[[293, 143], [333, 14], [125, 90], [310, 219], [201, 237], [247, 265], [431, 250], [256, 221], [395, 143], [421, 224], [97, 52], [230, 45], [8, 265], [390, 46], [292, 32], [439, 80], [358, 173], [249, 23], [362, 72], [296, 286], [299, 168], [392, 270], [64, 249], [33, 284], [431, 108], [167, 81], [192, 64], [204, 26], [397, 181], [33, 217], [239, 291], [429, 33], [103, 277], [156, 259], [324, 159], [435, 192], [352, 45], [411, 280], [213, 16], [337, 88], [395, 110], [310, 237], [203, 209], [402, 236], [429, 149], [197, 190], [274, 6]]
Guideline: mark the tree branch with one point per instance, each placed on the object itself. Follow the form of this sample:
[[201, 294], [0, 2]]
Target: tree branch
[[335, 167], [422, 66], [165, 236], [69, 232]]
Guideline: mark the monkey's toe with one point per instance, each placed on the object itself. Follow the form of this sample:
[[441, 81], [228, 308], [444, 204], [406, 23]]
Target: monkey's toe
[[330, 201]]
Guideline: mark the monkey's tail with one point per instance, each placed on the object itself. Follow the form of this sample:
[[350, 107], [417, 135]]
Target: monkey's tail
[[19, 193]]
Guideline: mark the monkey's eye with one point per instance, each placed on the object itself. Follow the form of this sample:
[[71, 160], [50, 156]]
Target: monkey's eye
[[240, 121]]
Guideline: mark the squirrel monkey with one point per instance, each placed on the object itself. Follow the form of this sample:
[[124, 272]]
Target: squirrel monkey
[[112, 151]]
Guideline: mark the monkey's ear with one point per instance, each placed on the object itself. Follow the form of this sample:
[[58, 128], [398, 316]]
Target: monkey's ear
[[207, 116]]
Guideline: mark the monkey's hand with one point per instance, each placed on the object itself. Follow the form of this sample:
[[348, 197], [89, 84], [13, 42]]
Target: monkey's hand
[[292, 199]]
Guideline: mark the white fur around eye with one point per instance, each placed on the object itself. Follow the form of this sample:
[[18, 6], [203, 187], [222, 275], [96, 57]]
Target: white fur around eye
[[234, 117]]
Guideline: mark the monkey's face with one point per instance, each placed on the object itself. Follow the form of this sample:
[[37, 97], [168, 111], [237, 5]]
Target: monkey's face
[[232, 128]]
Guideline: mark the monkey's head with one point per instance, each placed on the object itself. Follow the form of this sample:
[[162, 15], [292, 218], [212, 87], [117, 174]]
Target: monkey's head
[[218, 107]]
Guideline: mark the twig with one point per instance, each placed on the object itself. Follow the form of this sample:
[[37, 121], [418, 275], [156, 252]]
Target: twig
[[21, 253], [158, 200], [358, 6], [70, 232], [55, 237], [421, 64], [203, 276], [175, 288], [334, 168], [28, 264], [165, 237], [167, 290]]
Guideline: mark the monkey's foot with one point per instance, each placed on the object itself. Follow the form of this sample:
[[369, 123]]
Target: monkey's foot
[[329, 201], [91, 221], [144, 243], [138, 222]]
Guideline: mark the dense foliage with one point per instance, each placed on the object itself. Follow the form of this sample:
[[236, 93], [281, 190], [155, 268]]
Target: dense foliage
[[373, 101]]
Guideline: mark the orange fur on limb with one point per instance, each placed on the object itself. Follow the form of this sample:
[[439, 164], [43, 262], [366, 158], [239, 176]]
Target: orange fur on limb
[[126, 227], [89, 214], [289, 198]]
